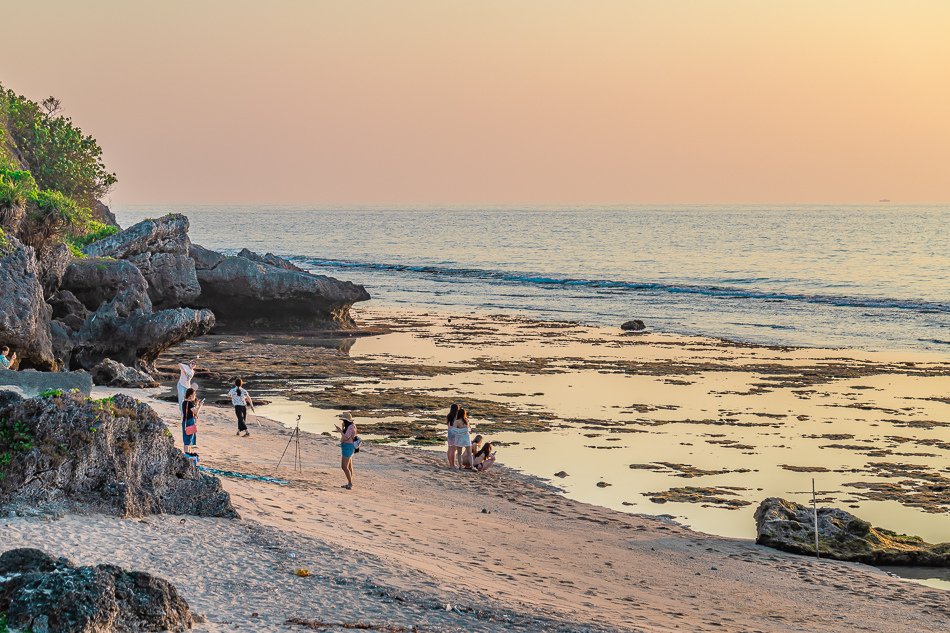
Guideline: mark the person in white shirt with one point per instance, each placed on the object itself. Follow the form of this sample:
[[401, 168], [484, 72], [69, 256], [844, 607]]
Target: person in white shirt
[[240, 398], [184, 382]]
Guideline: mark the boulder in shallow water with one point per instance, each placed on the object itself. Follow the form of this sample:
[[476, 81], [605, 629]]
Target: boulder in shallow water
[[634, 325], [42, 593], [114, 456], [24, 315], [114, 374], [790, 527]]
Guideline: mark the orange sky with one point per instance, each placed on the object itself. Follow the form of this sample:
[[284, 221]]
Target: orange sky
[[467, 102]]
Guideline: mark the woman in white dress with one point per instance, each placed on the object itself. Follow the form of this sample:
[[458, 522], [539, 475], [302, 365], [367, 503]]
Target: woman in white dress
[[184, 381]]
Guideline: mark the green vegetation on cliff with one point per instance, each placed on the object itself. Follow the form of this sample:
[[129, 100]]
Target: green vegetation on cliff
[[50, 171]]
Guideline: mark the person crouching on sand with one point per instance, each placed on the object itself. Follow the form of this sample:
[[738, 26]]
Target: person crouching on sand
[[189, 421], [241, 399], [449, 419], [484, 457], [347, 447], [184, 381]]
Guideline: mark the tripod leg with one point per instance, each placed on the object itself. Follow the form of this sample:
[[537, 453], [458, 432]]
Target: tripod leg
[[286, 447]]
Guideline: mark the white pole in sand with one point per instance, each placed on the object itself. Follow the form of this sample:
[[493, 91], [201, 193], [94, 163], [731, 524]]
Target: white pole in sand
[[814, 505]]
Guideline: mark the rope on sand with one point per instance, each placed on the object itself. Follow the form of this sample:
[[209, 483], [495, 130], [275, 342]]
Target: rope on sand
[[236, 475]]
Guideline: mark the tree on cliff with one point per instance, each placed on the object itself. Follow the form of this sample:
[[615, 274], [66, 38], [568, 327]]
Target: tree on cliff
[[57, 153]]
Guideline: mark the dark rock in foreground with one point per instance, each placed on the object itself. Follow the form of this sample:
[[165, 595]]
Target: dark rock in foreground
[[42, 593], [633, 326], [246, 293], [24, 315], [113, 455], [790, 527], [113, 374]]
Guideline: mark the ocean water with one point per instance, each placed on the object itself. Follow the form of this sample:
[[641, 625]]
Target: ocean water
[[874, 276]]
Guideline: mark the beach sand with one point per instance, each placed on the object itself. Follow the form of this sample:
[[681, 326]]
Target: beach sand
[[418, 545]]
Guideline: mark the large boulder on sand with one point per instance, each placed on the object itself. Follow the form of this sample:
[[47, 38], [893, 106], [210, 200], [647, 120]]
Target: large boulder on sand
[[24, 316], [114, 456], [246, 293], [113, 374], [42, 593], [159, 249], [790, 526]]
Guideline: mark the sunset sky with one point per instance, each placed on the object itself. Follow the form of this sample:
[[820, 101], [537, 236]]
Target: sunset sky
[[450, 102]]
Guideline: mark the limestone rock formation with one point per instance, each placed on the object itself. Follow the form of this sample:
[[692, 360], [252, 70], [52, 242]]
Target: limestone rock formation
[[42, 593], [113, 374], [24, 316], [159, 249], [246, 293], [96, 280], [126, 330], [790, 526], [114, 456]]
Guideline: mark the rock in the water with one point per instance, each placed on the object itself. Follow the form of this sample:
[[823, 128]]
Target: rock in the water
[[113, 455], [24, 315], [269, 258], [247, 293], [96, 280], [29, 382], [114, 374], [159, 249], [790, 526], [42, 593], [633, 326]]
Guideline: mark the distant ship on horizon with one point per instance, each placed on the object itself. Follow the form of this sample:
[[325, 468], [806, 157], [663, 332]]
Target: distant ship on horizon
[[884, 200]]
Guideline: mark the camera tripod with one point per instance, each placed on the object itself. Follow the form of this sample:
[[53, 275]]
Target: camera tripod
[[294, 439]]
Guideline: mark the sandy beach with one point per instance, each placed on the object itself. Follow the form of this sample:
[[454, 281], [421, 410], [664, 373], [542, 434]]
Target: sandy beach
[[416, 546]]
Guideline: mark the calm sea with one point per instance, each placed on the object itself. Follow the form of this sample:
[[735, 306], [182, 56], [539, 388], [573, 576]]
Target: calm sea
[[873, 276]]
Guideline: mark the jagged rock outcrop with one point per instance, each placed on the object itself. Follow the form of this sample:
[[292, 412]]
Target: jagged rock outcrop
[[247, 293], [114, 456], [24, 316], [53, 268], [269, 258], [42, 593], [109, 373], [159, 249], [126, 329], [96, 280], [103, 213], [68, 309], [790, 526]]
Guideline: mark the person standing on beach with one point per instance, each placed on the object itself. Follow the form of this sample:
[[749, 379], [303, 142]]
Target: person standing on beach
[[184, 381], [347, 446], [189, 421], [240, 398], [463, 439], [6, 359], [449, 419]]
